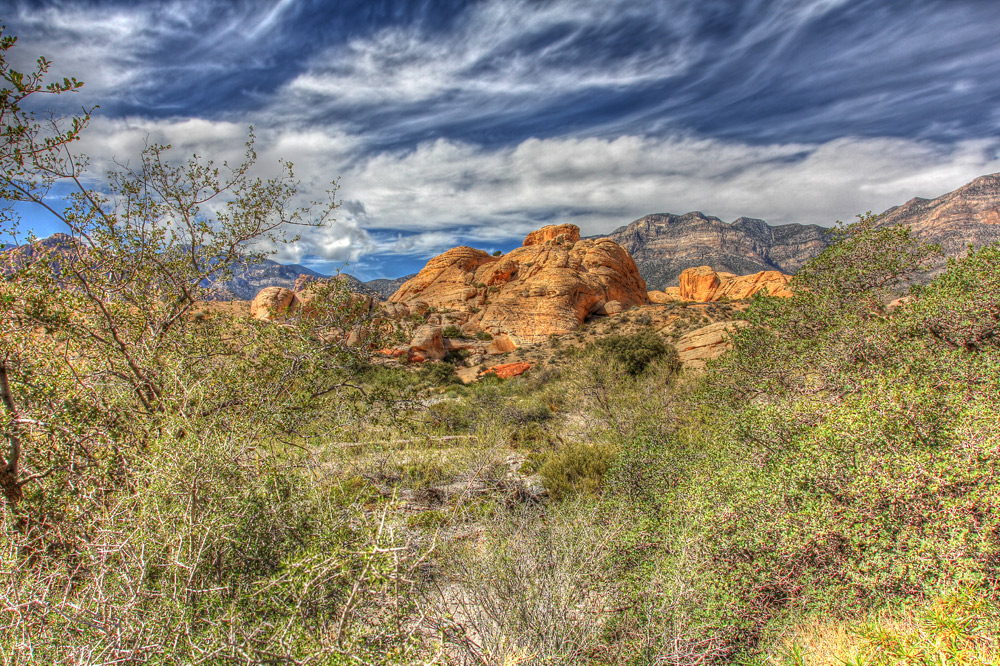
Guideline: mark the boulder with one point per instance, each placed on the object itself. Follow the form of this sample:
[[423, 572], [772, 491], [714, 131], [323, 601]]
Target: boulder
[[500, 344], [611, 308], [272, 303], [548, 286], [427, 343], [668, 295], [697, 347], [507, 370]]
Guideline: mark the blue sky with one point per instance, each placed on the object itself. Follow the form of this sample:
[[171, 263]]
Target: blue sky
[[475, 122]]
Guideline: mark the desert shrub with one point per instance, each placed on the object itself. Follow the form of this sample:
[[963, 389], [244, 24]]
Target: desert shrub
[[634, 353], [483, 335], [441, 373], [452, 331], [960, 309], [576, 469], [532, 591], [845, 458]]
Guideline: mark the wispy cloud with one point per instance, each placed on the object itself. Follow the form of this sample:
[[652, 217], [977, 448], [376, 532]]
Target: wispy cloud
[[475, 122]]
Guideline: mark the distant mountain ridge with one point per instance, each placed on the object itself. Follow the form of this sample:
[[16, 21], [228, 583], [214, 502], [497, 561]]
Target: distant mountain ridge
[[967, 216], [663, 245], [247, 280]]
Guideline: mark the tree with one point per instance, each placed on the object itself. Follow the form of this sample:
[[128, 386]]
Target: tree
[[116, 294], [149, 467]]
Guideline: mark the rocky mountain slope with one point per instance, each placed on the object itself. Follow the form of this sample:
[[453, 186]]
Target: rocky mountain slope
[[663, 245], [968, 215], [251, 278]]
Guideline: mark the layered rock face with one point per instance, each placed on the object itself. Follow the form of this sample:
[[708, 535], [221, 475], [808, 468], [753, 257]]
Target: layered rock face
[[702, 284], [968, 215], [550, 285], [700, 346], [664, 245]]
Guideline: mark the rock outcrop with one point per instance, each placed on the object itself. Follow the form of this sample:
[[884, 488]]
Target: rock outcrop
[[967, 216], [703, 284], [548, 286], [507, 370], [698, 347], [664, 245], [278, 303], [427, 343], [272, 303]]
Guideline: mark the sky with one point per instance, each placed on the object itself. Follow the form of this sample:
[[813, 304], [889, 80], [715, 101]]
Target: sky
[[472, 123]]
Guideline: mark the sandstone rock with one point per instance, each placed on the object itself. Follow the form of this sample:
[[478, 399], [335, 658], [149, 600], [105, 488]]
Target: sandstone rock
[[549, 285], [702, 284], [612, 308], [427, 343], [698, 347], [272, 303], [668, 295], [446, 280], [559, 233], [507, 370], [500, 344]]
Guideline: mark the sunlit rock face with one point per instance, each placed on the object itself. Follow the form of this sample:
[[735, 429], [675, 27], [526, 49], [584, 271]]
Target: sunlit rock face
[[968, 216], [702, 284], [548, 286]]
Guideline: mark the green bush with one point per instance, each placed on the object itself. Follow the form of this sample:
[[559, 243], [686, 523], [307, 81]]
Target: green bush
[[452, 331], [576, 469], [634, 353], [483, 335]]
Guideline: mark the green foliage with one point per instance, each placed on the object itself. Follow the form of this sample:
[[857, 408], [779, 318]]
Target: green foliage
[[497, 253], [961, 309], [441, 373], [576, 469], [452, 331], [483, 335], [634, 353]]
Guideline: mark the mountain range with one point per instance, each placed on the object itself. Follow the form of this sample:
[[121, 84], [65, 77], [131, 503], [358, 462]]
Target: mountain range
[[664, 244]]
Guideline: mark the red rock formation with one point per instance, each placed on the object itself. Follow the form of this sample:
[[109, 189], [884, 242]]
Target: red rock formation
[[549, 285], [560, 233], [507, 370], [702, 284]]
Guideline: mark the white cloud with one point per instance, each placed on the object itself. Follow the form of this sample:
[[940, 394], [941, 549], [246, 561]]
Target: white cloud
[[422, 201]]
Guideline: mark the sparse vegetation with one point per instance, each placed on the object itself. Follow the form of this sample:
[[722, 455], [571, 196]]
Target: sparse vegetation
[[183, 484]]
